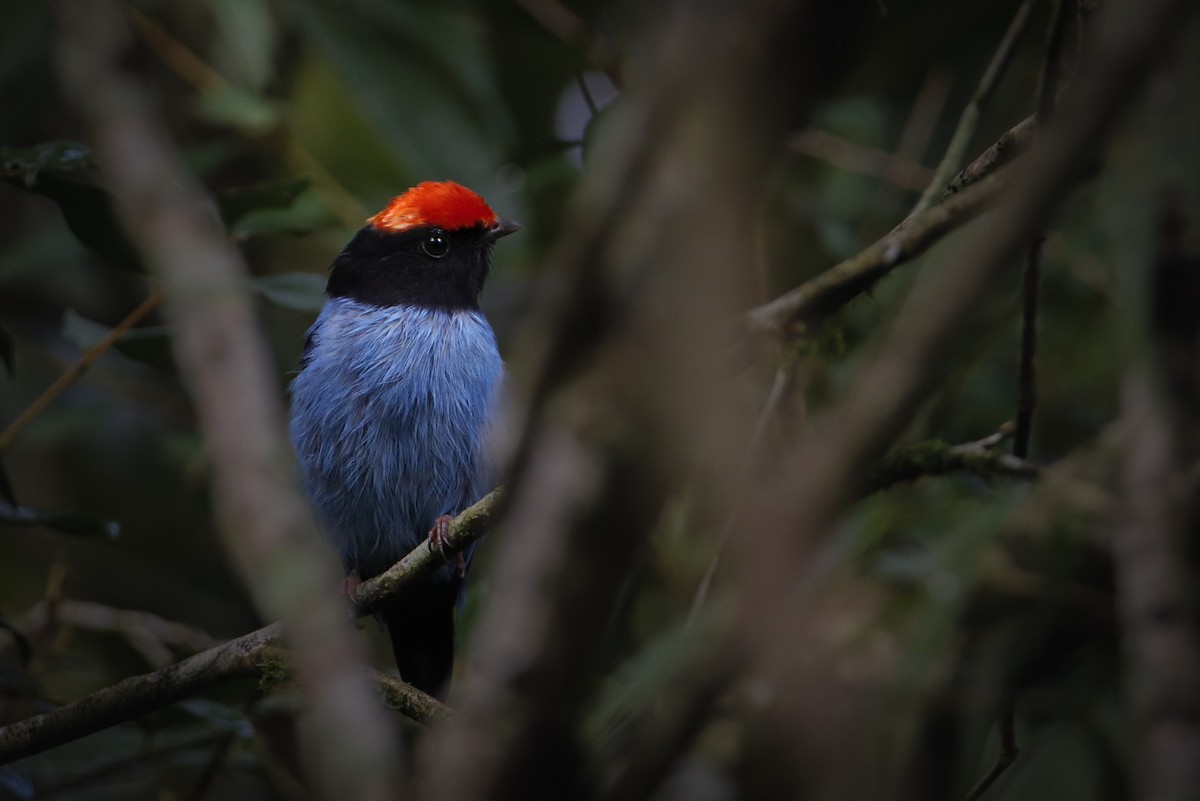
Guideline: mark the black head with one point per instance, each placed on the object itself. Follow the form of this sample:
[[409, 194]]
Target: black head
[[430, 247], [425, 266]]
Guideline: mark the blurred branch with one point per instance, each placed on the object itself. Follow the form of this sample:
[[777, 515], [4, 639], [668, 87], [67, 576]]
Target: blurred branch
[[617, 389], [267, 525], [151, 635], [969, 121], [1153, 539], [869, 161], [73, 373], [1155, 594], [1027, 395], [1031, 276]]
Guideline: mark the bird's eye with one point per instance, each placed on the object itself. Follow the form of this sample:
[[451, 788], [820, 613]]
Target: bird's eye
[[435, 245]]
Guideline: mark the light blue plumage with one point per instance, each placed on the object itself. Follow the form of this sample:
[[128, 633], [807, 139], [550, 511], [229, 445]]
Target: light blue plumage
[[390, 419]]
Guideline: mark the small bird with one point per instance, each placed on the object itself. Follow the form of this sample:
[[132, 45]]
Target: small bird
[[394, 403]]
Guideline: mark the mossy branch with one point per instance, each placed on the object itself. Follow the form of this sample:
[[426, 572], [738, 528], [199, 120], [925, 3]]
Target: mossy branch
[[936, 458]]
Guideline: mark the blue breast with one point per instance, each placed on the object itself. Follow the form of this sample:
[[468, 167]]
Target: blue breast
[[390, 421]]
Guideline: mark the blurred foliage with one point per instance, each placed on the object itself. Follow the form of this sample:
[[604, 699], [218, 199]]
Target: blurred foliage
[[304, 116]]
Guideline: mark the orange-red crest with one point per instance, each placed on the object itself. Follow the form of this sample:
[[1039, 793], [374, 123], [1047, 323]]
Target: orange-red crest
[[444, 204]]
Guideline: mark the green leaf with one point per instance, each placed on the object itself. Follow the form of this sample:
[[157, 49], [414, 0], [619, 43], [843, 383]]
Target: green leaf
[[149, 345], [244, 46], [241, 109], [298, 291], [237, 203], [306, 214], [57, 171], [65, 522]]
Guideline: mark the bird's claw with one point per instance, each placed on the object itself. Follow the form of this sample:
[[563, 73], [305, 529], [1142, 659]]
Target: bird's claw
[[437, 539], [349, 590]]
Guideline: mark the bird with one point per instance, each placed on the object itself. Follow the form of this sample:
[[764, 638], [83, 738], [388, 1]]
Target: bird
[[396, 401]]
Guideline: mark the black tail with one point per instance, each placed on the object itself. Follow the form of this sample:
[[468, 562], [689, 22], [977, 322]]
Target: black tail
[[421, 625]]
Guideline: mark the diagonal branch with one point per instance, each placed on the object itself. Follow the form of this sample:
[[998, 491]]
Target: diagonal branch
[[847, 280], [257, 654]]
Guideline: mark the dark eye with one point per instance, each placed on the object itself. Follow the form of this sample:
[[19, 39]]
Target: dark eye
[[435, 245]]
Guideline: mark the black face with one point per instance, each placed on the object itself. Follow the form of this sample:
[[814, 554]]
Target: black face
[[425, 267]]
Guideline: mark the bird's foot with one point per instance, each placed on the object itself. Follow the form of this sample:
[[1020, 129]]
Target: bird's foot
[[349, 589], [437, 539]]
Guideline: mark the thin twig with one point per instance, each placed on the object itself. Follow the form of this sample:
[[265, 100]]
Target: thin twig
[[1027, 365], [969, 121], [912, 144], [72, 374]]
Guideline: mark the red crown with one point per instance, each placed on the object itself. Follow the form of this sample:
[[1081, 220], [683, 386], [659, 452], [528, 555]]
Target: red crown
[[444, 204]]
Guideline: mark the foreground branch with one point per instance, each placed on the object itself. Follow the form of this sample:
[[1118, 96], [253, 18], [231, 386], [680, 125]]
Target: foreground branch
[[266, 523], [257, 654]]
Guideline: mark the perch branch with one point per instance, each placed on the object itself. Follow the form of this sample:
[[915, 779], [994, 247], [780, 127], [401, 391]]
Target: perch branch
[[255, 654]]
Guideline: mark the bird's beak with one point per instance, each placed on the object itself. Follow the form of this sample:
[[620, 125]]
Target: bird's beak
[[502, 228]]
